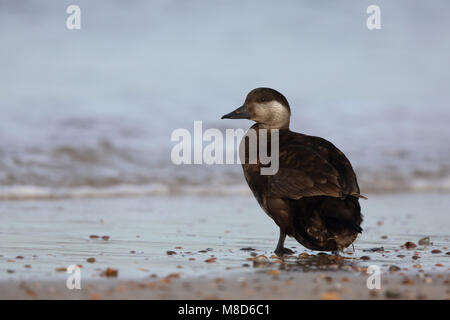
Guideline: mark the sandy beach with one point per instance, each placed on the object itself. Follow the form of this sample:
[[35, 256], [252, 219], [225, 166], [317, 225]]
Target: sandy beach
[[214, 248]]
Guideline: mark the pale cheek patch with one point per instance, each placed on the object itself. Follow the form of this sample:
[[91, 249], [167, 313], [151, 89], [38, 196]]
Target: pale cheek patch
[[272, 113]]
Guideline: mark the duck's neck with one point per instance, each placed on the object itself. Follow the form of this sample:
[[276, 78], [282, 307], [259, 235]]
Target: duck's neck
[[283, 126]]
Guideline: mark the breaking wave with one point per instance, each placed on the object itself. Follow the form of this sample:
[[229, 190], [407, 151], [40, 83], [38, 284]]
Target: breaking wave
[[107, 170]]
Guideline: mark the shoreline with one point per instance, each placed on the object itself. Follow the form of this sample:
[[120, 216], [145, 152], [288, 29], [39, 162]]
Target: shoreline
[[215, 247], [263, 285]]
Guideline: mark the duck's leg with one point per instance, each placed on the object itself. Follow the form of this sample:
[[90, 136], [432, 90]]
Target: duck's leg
[[280, 249]]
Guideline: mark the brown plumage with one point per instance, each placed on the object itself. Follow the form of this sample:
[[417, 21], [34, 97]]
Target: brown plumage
[[313, 196]]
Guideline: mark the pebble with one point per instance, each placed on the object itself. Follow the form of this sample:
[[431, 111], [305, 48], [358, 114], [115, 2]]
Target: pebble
[[274, 272], [260, 259], [392, 294], [409, 245], [90, 260], [424, 241], [110, 272], [173, 275], [394, 268], [435, 251], [330, 295]]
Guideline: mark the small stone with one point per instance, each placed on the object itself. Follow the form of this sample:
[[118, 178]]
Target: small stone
[[365, 258], [274, 272], [90, 260], [110, 272], [173, 275], [424, 241], [330, 295], [409, 245], [210, 260], [394, 268], [260, 259], [436, 251], [105, 238], [390, 294], [94, 236], [171, 253]]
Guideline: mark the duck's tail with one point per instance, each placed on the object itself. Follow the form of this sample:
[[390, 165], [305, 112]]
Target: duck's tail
[[327, 223]]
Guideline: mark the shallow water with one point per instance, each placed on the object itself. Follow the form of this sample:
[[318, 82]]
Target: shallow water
[[55, 234], [90, 113]]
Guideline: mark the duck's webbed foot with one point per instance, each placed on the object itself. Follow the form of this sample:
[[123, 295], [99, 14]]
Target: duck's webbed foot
[[283, 251], [280, 249]]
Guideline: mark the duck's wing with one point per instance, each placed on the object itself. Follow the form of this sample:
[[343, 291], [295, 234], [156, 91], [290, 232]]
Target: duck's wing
[[304, 172], [337, 159]]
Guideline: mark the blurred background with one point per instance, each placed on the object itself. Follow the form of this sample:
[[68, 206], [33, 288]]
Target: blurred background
[[89, 112]]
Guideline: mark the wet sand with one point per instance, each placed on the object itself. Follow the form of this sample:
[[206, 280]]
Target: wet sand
[[192, 248]]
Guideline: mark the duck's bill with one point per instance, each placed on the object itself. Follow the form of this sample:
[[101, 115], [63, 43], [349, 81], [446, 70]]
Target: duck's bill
[[239, 113]]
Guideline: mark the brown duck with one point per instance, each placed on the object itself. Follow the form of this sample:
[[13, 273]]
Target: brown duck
[[314, 195]]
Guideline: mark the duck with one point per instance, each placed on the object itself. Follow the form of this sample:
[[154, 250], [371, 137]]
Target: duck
[[314, 195]]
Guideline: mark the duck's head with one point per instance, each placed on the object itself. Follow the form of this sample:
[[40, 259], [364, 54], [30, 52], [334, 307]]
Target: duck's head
[[265, 106]]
